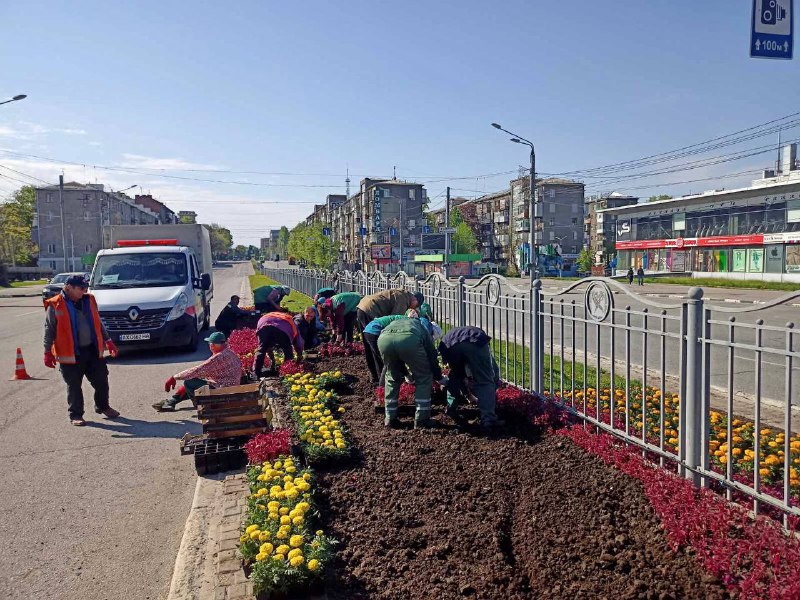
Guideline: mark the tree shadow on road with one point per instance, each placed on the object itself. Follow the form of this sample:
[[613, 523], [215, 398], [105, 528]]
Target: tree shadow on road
[[136, 428]]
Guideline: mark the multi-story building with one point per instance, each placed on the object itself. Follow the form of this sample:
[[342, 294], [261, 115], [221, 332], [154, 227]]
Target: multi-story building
[[87, 210], [562, 227], [165, 215], [745, 233], [372, 226], [599, 226], [269, 245]]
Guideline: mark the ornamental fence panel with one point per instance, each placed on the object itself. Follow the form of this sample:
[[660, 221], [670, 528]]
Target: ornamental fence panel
[[704, 388]]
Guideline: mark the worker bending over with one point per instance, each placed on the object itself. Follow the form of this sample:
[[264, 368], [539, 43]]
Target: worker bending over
[[276, 329], [340, 310], [306, 323], [406, 342], [267, 298], [229, 316], [222, 369], [383, 304], [467, 348], [371, 334]]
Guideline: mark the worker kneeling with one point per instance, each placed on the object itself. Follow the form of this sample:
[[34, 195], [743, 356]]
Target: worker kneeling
[[468, 348], [407, 342], [222, 369]]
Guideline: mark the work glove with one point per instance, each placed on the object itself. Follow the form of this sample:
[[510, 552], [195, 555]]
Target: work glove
[[112, 349], [170, 384], [49, 360]]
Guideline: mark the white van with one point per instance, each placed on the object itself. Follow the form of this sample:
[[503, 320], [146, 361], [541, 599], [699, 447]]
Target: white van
[[152, 292]]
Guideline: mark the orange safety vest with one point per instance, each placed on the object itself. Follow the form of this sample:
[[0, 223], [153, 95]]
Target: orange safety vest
[[64, 344], [289, 319]]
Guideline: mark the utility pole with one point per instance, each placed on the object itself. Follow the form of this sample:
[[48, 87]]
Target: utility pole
[[400, 225], [446, 264], [61, 203], [536, 219]]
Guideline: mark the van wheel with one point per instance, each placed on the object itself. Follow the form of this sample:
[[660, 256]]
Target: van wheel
[[192, 345], [207, 318]]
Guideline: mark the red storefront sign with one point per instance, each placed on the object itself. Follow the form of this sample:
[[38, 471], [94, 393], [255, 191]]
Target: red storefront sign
[[725, 240]]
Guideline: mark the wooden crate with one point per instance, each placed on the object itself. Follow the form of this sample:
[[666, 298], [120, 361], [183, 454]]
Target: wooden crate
[[238, 410]]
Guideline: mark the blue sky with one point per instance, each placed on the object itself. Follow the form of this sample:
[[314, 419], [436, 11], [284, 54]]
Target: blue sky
[[315, 87]]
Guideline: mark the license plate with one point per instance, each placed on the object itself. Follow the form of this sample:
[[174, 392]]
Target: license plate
[[132, 337]]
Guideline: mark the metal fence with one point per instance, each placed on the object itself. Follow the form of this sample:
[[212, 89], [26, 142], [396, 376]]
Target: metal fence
[[705, 388]]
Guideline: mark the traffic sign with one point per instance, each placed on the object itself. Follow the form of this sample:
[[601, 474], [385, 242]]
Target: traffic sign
[[392, 231], [772, 29], [363, 231], [427, 229], [447, 230], [326, 231]]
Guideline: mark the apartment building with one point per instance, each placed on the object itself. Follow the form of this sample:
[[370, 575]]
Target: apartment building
[[72, 244], [599, 226]]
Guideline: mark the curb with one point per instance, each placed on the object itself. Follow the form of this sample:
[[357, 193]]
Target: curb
[[20, 295], [725, 300]]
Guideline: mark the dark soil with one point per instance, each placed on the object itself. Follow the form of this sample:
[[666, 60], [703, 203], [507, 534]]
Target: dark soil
[[448, 514]]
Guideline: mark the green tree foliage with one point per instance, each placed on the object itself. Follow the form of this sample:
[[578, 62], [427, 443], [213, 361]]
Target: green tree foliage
[[16, 221], [283, 241], [306, 243], [463, 241], [221, 240], [240, 251], [585, 261], [659, 197]]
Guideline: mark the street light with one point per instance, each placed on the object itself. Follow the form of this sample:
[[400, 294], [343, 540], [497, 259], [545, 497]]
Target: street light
[[15, 98], [533, 213]]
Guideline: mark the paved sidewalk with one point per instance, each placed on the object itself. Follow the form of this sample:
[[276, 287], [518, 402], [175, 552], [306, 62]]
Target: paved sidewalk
[[21, 292]]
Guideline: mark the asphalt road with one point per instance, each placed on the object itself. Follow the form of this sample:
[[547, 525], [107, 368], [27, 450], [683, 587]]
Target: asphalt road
[[95, 512], [503, 322]]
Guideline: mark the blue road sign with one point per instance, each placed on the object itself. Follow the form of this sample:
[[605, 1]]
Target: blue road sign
[[326, 231], [363, 231], [392, 231], [772, 29], [427, 229]]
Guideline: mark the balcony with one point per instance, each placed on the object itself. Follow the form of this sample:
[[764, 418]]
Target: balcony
[[523, 225], [501, 218]]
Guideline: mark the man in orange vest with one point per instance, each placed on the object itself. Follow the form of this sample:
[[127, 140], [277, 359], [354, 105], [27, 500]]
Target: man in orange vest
[[75, 337], [276, 329]]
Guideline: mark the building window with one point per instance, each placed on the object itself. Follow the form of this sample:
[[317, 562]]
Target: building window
[[552, 236], [49, 215], [551, 193], [48, 198], [574, 235], [412, 194], [574, 208], [87, 216], [574, 221], [51, 248], [53, 265], [552, 207], [88, 248], [552, 222]]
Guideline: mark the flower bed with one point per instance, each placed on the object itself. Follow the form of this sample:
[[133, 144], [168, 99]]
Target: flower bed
[[646, 408], [267, 446], [331, 350], [244, 343], [312, 405], [277, 541]]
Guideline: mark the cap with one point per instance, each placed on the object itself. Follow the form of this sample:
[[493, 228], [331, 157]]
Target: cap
[[77, 281], [420, 298], [216, 338], [286, 290]]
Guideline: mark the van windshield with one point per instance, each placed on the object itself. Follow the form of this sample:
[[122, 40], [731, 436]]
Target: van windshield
[[139, 270]]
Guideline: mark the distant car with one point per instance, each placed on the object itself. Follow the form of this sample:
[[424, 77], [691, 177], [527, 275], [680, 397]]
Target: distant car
[[57, 284]]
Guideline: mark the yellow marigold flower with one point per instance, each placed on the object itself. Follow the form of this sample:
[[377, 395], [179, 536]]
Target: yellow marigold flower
[[282, 549], [244, 538], [281, 535], [298, 521], [250, 528], [296, 541], [279, 557], [313, 564], [264, 536], [285, 520], [294, 552], [261, 556], [296, 561], [255, 534], [283, 510], [266, 548], [763, 472]]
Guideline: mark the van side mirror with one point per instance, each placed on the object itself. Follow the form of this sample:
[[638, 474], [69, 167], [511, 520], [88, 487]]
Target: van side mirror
[[205, 281]]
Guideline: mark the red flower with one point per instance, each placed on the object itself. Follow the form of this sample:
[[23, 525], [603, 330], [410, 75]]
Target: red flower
[[290, 367], [267, 446]]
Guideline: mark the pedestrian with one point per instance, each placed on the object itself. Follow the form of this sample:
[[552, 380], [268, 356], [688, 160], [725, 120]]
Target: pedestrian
[[630, 276], [340, 311], [74, 337], [267, 298], [640, 275], [222, 369], [276, 329], [383, 304], [467, 348], [228, 318], [306, 323], [370, 336], [406, 343]]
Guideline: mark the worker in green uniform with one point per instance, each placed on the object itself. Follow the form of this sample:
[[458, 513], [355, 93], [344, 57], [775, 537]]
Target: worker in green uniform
[[340, 310], [407, 342], [467, 349], [267, 298]]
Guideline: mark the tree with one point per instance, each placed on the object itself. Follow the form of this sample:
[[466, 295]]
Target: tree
[[463, 241], [283, 240], [585, 261], [16, 222], [240, 251], [659, 197], [221, 240], [307, 243]]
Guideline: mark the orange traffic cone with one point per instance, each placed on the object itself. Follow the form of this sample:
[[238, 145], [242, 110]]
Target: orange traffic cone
[[20, 372]]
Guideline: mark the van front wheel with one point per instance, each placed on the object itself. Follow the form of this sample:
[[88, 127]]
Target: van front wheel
[[207, 318]]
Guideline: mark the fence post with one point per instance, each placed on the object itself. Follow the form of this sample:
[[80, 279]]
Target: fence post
[[692, 405], [536, 367], [462, 303]]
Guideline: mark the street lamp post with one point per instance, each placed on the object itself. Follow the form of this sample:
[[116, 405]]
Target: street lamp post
[[533, 211], [15, 98]]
